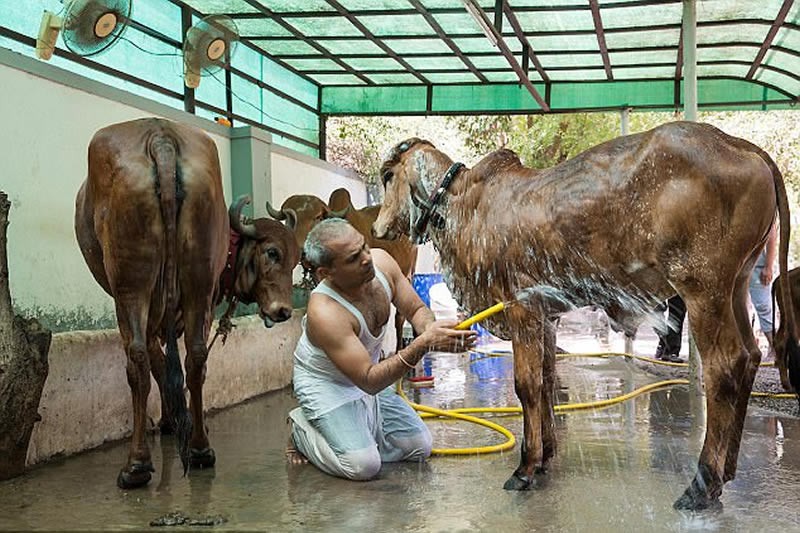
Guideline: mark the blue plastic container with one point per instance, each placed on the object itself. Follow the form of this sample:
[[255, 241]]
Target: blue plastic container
[[422, 283]]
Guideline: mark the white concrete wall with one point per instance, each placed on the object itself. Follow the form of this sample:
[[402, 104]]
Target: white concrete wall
[[86, 400], [50, 116], [43, 145], [296, 173]]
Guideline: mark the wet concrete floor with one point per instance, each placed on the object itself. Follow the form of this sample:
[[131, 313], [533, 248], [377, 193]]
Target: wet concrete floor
[[618, 469]]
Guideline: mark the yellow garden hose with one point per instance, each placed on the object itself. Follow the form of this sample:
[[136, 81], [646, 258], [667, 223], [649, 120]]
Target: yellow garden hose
[[606, 355], [639, 357], [461, 413], [779, 395], [454, 413]]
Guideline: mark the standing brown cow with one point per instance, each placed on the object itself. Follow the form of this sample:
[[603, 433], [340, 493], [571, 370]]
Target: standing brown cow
[[682, 208], [152, 225]]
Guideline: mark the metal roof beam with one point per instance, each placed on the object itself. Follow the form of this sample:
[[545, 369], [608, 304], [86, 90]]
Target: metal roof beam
[[450, 10], [525, 58], [689, 36], [368, 34], [509, 55], [654, 48], [629, 29], [294, 31], [447, 40], [622, 66], [679, 59], [773, 31], [498, 15], [517, 27], [601, 37]]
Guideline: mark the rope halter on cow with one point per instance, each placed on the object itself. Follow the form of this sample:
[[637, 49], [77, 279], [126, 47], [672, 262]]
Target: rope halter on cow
[[429, 208], [226, 287]]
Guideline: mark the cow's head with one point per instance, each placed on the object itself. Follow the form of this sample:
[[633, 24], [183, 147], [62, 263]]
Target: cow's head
[[412, 169], [309, 211], [267, 256]]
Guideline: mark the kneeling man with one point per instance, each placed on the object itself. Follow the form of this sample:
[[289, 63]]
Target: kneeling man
[[349, 420]]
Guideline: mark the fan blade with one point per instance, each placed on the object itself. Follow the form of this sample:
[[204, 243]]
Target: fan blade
[[92, 26]]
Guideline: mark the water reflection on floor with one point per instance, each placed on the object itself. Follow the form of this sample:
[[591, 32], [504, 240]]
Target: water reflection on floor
[[618, 469]]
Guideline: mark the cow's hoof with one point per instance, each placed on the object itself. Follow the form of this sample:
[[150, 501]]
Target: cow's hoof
[[135, 476], [517, 482], [204, 458], [694, 499]]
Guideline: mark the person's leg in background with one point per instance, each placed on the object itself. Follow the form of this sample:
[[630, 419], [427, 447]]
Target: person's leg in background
[[669, 344], [761, 298]]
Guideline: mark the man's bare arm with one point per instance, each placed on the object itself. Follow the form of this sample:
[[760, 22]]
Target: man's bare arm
[[342, 346]]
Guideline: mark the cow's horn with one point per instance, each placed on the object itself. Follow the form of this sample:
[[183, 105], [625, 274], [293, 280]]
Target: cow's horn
[[291, 218], [341, 213], [277, 215], [235, 213]]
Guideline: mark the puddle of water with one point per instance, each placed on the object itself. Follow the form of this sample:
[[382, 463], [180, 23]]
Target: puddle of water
[[618, 468]]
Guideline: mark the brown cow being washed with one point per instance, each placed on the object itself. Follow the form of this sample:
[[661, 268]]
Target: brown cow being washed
[[152, 225], [682, 208], [401, 249]]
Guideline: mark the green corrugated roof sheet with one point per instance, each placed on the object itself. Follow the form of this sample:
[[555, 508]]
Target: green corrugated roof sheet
[[431, 56], [630, 55]]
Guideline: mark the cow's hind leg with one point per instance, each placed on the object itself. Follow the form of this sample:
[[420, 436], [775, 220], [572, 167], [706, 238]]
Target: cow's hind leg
[[747, 377], [724, 361], [549, 380], [166, 424], [132, 317], [201, 455], [528, 381]]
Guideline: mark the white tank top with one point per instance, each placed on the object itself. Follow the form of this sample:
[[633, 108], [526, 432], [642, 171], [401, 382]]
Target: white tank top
[[318, 384]]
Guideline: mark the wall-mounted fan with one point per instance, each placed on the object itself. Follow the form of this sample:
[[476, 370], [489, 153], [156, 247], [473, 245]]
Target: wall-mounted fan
[[87, 27], [208, 47]]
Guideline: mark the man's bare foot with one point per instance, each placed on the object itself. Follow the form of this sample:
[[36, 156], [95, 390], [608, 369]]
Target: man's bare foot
[[293, 456]]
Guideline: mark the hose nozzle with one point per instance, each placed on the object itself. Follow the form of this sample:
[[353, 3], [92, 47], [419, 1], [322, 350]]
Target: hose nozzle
[[521, 295]]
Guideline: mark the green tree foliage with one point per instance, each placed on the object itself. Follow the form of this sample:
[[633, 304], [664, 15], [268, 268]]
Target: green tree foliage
[[543, 141], [358, 143]]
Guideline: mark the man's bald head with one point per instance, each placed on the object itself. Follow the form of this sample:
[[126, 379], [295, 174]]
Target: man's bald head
[[316, 248]]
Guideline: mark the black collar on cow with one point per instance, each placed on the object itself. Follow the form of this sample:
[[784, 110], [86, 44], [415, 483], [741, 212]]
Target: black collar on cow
[[429, 207], [228, 278]]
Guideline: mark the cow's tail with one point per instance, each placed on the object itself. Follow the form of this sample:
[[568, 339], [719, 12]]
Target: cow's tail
[[785, 337], [164, 154]]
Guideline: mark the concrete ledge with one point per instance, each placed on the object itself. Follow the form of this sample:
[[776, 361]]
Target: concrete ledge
[[319, 163], [86, 400]]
